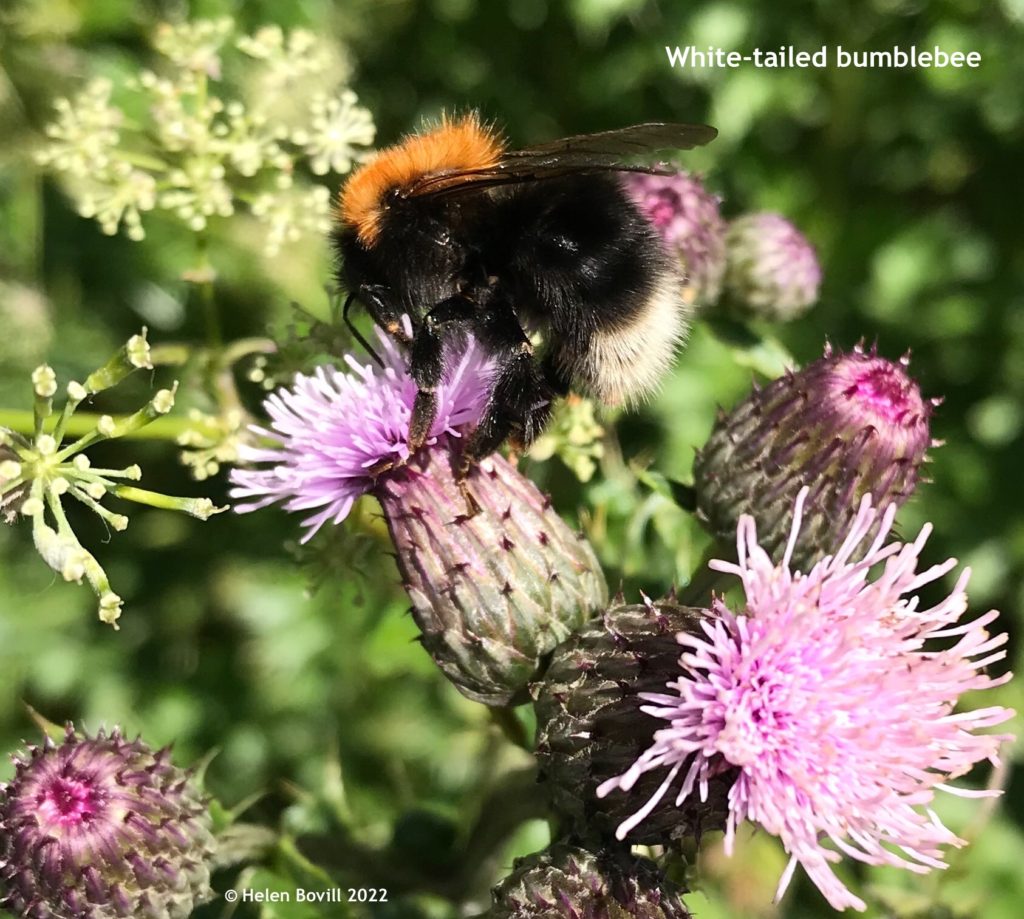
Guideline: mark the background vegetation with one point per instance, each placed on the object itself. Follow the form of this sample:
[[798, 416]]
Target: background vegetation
[[306, 679]]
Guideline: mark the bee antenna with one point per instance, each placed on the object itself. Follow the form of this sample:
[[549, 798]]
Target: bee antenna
[[356, 333]]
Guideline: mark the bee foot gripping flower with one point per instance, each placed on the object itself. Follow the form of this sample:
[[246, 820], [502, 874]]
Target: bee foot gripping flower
[[772, 270], [847, 425], [565, 882], [98, 827], [492, 592], [827, 697], [687, 216]]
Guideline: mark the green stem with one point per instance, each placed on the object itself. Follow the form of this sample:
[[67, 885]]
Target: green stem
[[289, 851], [243, 347], [204, 275], [505, 718], [82, 423], [509, 804], [170, 355], [698, 592]]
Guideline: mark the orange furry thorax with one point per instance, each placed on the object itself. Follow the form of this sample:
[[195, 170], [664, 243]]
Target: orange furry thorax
[[453, 146]]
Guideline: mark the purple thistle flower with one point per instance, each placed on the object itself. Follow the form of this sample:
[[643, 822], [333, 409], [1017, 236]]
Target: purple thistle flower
[[98, 827], [822, 693], [492, 591], [335, 430], [687, 217], [772, 270]]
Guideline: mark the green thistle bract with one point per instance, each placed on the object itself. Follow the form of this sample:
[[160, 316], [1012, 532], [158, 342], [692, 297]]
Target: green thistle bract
[[590, 727], [495, 592]]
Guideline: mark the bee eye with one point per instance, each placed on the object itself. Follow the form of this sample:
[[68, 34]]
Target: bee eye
[[391, 196]]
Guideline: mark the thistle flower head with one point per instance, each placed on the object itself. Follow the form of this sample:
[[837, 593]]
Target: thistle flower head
[[99, 827], [38, 472], [827, 694], [847, 425], [492, 591], [565, 882], [687, 217], [333, 431], [772, 270]]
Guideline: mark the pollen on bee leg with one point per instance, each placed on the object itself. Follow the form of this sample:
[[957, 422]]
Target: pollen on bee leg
[[424, 413]]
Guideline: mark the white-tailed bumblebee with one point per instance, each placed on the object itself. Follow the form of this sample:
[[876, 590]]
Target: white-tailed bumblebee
[[461, 234]]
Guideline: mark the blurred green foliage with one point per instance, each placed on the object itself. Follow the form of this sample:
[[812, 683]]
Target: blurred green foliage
[[327, 716]]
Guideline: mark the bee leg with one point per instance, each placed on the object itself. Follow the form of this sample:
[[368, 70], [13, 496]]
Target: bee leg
[[520, 401], [424, 412], [426, 364]]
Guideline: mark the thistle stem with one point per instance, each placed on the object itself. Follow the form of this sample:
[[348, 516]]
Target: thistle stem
[[511, 727]]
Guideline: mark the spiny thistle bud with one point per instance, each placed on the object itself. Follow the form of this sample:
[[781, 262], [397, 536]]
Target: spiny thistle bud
[[493, 591], [590, 726], [847, 425], [102, 827], [772, 270], [565, 882], [686, 215]]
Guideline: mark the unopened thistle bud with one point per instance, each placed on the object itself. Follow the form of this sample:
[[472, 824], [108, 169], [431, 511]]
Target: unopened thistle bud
[[493, 591], [772, 270], [565, 882], [687, 217], [590, 725], [847, 425], [101, 827]]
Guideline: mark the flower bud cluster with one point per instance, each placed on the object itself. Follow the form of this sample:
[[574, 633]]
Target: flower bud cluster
[[205, 146], [38, 472]]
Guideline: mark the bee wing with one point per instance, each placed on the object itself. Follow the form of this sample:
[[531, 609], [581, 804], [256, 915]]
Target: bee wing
[[635, 140], [580, 154]]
